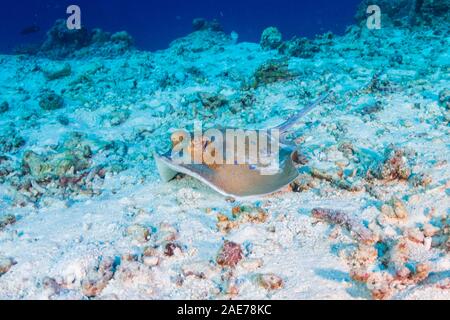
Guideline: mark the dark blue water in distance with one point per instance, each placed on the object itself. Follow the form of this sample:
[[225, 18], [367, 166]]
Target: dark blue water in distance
[[155, 23]]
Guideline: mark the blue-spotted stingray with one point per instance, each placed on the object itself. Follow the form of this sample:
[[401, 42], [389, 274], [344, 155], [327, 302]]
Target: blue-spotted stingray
[[243, 181]]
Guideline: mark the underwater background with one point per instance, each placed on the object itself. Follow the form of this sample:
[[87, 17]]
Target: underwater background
[[86, 116], [154, 24]]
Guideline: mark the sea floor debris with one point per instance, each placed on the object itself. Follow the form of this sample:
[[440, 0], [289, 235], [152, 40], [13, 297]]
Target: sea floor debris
[[84, 214]]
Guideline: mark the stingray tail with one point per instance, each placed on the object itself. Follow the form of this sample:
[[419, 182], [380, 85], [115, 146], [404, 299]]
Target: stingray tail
[[295, 118]]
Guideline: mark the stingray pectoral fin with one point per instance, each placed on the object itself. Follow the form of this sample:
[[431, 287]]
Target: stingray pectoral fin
[[166, 172], [242, 181]]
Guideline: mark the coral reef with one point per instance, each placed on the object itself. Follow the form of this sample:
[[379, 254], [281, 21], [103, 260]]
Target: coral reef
[[206, 39], [61, 41], [122, 37], [212, 101], [407, 12], [271, 39]]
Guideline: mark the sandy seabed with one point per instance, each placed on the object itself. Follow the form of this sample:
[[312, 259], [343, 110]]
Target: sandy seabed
[[84, 214]]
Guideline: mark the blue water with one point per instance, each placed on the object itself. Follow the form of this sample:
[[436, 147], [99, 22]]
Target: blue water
[[154, 24]]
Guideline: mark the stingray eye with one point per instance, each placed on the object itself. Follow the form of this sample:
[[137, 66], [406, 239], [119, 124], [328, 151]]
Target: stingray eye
[[177, 138]]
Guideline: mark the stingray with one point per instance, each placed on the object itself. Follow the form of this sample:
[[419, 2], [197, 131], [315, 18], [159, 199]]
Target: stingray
[[234, 179]]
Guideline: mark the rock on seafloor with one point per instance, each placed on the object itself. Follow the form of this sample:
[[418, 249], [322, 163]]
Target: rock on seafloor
[[271, 38], [5, 265], [51, 101], [230, 254]]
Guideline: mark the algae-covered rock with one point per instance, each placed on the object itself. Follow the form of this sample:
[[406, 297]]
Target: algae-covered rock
[[65, 163], [73, 162], [395, 165], [212, 101], [392, 11], [433, 11], [51, 101], [299, 47], [99, 36], [271, 39], [75, 167], [272, 71], [123, 37], [81, 144], [206, 39], [36, 165], [4, 106], [57, 72], [63, 41]]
